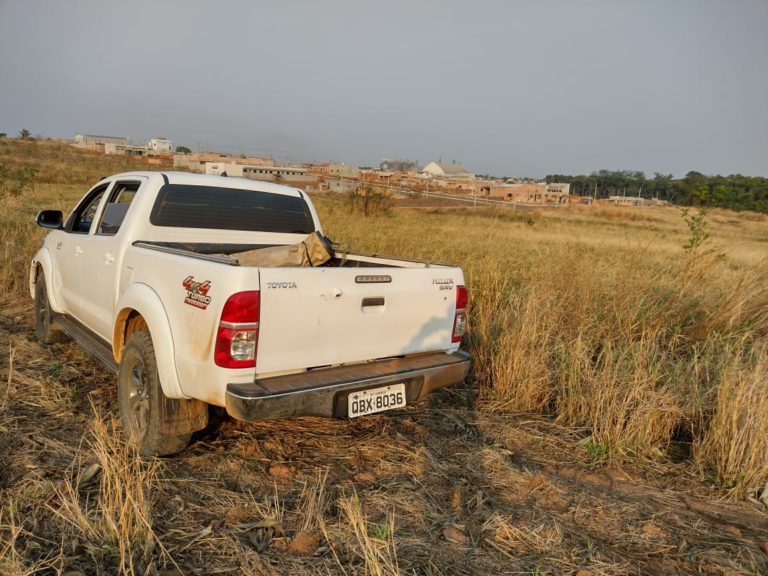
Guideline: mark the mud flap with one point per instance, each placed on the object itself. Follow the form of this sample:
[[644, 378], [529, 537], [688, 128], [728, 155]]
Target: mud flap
[[179, 417]]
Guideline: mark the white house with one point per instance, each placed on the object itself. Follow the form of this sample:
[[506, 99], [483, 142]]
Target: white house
[[160, 145], [447, 170], [559, 188], [83, 140], [216, 168]]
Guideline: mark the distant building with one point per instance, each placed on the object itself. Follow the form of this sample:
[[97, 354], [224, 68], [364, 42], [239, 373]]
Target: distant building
[[559, 188], [340, 186], [278, 174], [337, 170], [124, 149], [527, 193], [399, 165], [85, 140], [283, 174], [447, 170], [218, 168], [160, 145], [627, 201], [196, 161]]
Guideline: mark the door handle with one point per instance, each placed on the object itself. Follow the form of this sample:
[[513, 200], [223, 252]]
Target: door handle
[[108, 258], [78, 250], [372, 305]]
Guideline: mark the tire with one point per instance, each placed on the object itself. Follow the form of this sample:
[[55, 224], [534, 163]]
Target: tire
[[140, 395], [45, 331]]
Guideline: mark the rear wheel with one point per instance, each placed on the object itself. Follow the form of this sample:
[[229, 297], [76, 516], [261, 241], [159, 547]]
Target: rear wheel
[[140, 396], [45, 331]]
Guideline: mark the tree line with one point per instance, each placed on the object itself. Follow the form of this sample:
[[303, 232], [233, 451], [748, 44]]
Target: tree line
[[735, 192]]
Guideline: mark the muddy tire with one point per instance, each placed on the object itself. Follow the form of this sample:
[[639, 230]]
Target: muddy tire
[[45, 331], [140, 396]]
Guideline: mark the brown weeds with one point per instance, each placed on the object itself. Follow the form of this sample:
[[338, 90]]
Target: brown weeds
[[107, 506], [734, 445], [374, 545]]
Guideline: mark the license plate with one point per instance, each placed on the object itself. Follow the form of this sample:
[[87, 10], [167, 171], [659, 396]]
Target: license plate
[[376, 400]]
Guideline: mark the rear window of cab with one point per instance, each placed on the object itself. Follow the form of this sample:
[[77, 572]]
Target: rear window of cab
[[218, 208]]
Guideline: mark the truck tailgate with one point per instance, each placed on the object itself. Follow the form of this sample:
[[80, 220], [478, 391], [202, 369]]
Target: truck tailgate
[[314, 317]]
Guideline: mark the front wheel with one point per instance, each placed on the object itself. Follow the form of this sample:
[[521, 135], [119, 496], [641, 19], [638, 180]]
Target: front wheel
[[140, 396]]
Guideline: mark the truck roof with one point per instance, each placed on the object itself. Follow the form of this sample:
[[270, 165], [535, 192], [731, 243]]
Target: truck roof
[[209, 180]]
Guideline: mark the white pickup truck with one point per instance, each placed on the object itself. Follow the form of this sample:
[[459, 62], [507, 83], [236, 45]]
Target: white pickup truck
[[148, 274]]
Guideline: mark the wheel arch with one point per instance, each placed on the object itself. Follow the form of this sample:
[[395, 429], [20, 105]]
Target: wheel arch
[[42, 262], [140, 307]]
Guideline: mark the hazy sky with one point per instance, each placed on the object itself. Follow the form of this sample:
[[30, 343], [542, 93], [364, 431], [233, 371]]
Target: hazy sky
[[519, 88]]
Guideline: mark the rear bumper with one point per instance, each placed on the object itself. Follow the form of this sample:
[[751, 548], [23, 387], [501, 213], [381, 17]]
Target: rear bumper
[[324, 392]]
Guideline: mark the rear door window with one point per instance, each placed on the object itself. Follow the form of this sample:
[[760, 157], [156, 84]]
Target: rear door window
[[186, 206], [117, 207]]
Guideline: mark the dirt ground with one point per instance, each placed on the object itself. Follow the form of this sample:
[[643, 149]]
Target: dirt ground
[[441, 487]]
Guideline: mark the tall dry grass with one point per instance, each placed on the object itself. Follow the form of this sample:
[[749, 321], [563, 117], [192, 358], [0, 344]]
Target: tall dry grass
[[607, 325], [734, 442], [639, 354]]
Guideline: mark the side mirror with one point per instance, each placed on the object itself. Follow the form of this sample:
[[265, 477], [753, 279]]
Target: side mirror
[[50, 219]]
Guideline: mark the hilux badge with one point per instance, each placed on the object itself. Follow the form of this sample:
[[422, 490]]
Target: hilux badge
[[443, 283]]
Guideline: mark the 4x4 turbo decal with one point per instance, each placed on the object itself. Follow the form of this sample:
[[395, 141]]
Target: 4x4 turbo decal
[[197, 292]]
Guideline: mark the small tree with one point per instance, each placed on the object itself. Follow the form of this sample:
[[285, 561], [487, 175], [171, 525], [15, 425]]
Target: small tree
[[698, 241], [26, 177], [697, 226], [25, 134], [182, 150], [13, 183], [368, 201]]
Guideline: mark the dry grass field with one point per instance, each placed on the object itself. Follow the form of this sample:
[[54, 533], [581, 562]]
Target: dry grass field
[[615, 420]]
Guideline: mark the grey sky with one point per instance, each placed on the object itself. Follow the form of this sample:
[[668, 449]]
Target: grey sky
[[510, 88]]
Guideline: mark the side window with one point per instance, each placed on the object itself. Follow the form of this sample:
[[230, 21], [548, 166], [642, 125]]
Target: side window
[[117, 207], [81, 219]]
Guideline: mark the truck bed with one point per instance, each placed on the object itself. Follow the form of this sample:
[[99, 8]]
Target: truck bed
[[220, 252]]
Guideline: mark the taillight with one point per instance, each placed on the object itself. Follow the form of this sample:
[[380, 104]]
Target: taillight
[[238, 332], [460, 320]]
